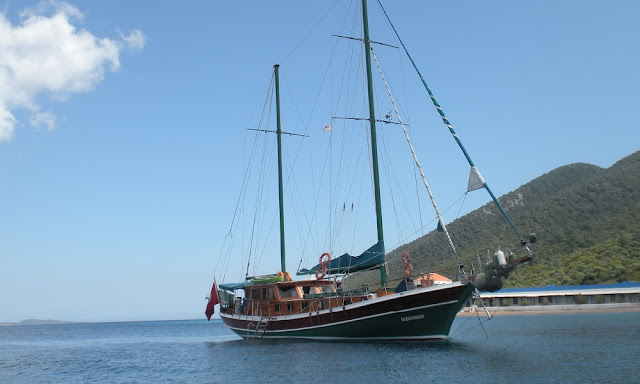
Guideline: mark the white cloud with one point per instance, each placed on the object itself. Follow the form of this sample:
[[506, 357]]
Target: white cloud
[[47, 119], [45, 54], [7, 121], [135, 40]]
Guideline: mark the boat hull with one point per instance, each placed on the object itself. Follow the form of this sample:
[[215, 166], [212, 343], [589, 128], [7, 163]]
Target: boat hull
[[420, 314]]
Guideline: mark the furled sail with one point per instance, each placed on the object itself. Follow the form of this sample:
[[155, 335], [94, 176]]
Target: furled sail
[[346, 263]]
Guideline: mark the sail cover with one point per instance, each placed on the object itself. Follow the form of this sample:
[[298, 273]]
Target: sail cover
[[234, 286], [370, 258]]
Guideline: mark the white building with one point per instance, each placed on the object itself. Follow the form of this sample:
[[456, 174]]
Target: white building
[[622, 293]]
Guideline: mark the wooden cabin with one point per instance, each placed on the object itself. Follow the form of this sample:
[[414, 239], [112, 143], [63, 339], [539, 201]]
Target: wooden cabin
[[291, 297]]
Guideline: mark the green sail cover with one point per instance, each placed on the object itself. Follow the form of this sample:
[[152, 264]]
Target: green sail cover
[[234, 286], [370, 258]]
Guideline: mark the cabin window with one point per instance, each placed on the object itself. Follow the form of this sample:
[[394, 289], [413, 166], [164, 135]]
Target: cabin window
[[255, 294], [312, 290], [276, 308], [327, 289], [290, 308], [305, 305], [264, 293], [288, 292], [270, 293]]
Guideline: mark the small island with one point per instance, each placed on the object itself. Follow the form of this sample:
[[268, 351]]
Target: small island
[[37, 322]]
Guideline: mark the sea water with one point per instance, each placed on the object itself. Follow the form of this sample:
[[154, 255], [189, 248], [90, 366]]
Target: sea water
[[549, 348]]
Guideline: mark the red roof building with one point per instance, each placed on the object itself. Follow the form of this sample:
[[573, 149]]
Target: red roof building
[[429, 279]]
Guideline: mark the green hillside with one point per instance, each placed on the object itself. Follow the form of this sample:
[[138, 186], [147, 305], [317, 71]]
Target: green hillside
[[586, 218]]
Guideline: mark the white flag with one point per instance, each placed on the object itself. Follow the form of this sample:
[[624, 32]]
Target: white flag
[[476, 181], [327, 128]]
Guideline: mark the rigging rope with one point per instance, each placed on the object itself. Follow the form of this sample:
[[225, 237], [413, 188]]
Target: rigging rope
[[461, 205], [227, 247], [311, 30], [393, 173], [448, 124], [415, 159]]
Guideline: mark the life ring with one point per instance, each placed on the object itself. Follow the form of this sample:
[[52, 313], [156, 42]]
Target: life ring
[[327, 260], [324, 260], [408, 270]]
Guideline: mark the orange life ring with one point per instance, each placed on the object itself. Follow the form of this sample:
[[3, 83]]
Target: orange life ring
[[408, 270], [406, 257], [325, 258], [328, 258]]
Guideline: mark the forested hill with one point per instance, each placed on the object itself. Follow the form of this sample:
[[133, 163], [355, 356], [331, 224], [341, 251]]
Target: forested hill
[[586, 218]]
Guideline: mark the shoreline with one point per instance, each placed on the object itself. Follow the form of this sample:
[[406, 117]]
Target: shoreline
[[548, 310]]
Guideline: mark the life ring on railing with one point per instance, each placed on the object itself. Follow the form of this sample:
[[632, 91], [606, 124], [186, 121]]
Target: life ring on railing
[[408, 268], [325, 258]]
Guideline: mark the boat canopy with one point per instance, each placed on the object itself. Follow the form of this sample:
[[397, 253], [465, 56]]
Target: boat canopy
[[370, 258], [234, 286]]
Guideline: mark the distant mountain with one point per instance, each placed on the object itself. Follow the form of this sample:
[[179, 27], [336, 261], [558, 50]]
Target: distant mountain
[[586, 218]]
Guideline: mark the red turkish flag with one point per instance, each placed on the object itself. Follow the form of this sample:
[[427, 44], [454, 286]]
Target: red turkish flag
[[213, 300]]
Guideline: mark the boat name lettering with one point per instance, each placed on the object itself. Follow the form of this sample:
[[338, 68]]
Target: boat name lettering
[[412, 318]]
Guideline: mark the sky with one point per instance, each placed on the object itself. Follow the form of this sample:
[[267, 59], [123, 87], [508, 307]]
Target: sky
[[123, 126]]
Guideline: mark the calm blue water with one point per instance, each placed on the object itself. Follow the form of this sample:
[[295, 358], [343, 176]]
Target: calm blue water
[[565, 348]]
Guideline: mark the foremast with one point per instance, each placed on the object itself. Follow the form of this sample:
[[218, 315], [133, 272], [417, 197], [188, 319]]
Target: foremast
[[374, 145]]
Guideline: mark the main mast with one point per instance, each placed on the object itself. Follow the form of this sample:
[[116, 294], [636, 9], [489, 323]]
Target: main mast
[[374, 145], [283, 267]]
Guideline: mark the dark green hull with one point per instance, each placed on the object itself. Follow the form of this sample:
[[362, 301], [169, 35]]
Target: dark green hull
[[421, 314]]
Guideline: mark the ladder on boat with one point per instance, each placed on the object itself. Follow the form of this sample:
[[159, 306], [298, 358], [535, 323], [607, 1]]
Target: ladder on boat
[[261, 328]]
